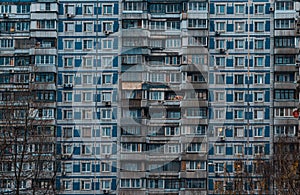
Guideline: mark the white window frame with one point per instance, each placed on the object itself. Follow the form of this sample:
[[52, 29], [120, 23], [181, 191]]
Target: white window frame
[[85, 184], [258, 132], [220, 149], [239, 131]]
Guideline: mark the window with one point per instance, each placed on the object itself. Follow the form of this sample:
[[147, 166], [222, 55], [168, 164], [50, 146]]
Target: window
[[284, 42], [239, 61], [259, 79], [5, 8], [6, 43], [220, 79], [23, 8], [106, 149], [220, 96], [195, 147], [68, 114], [197, 6], [67, 149], [107, 27], [107, 43], [173, 25], [171, 131], [196, 165], [88, 62], [133, 6], [130, 183], [258, 114], [285, 5], [68, 62], [45, 24], [259, 44], [106, 114], [258, 131], [6, 61], [45, 95], [105, 167], [220, 131], [86, 132], [67, 167], [239, 8], [220, 61], [87, 114], [284, 24], [69, 27], [86, 185], [284, 59], [87, 44], [220, 149], [259, 61], [238, 149], [106, 131], [44, 77], [238, 132], [238, 79], [107, 9], [239, 114], [176, 43], [220, 26], [285, 130], [219, 114], [220, 9], [258, 149], [45, 59], [107, 61], [68, 79], [197, 23], [259, 8], [87, 96], [88, 26], [67, 184], [195, 112], [106, 79], [88, 9], [22, 26], [106, 96], [86, 149], [197, 41], [239, 44], [259, 26], [284, 112], [220, 44], [173, 8], [68, 132], [87, 79], [105, 184], [239, 26], [70, 9], [85, 167], [284, 94], [69, 44], [258, 96], [196, 183]]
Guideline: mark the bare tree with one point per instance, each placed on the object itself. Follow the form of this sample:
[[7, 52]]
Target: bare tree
[[27, 140]]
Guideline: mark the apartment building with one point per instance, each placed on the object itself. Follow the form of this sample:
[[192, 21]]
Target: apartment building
[[138, 97], [164, 97], [240, 86], [88, 39], [28, 103]]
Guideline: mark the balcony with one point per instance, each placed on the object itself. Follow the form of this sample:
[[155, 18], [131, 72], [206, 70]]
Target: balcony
[[194, 103], [280, 85], [286, 68]]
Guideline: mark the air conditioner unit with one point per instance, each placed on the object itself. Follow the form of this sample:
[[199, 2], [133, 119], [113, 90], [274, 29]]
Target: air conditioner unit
[[271, 9], [217, 33], [5, 15], [68, 85], [108, 103], [70, 15], [107, 156], [105, 191], [106, 32], [222, 50]]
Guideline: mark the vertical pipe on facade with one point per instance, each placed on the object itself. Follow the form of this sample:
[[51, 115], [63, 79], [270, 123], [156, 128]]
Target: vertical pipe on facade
[[248, 97], [96, 88]]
